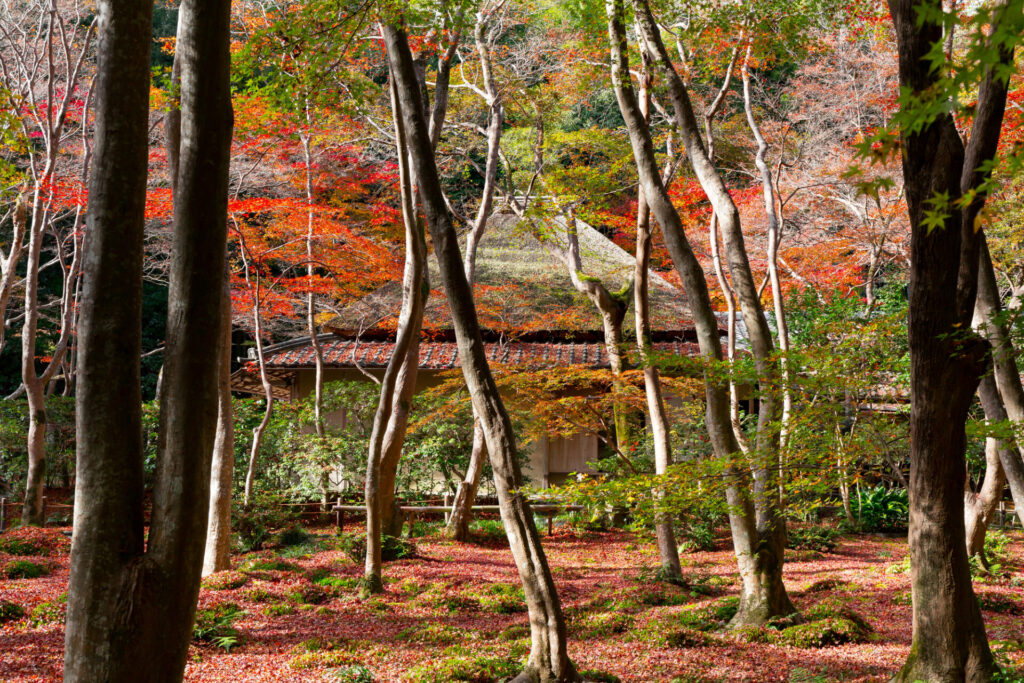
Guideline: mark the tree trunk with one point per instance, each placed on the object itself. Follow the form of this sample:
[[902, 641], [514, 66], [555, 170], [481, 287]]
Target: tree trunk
[[660, 431], [980, 507], [130, 611], [392, 518], [109, 537], [465, 495], [549, 659], [268, 398], [402, 366], [218, 529], [652, 386], [988, 314], [32, 512], [949, 642], [462, 507], [758, 536]]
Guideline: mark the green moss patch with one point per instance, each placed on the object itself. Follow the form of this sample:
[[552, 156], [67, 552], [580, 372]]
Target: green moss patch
[[227, 580]]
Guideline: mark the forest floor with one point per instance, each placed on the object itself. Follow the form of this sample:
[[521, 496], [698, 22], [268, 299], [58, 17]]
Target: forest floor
[[454, 611]]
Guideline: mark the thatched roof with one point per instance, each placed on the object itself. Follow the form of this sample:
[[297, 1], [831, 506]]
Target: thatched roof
[[521, 286]]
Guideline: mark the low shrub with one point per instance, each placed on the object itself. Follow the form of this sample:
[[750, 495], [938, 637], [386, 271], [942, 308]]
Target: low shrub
[[214, 625], [10, 611], [836, 609], [25, 569], [883, 509], [829, 586], [822, 539], [14, 545], [711, 616], [338, 582], [292, 536], [33, 540], [993, 557], [823, 633], [392, 548], [226, 580], [658, 595], [253, 525], [697, 537], [595, 676], [51, 612], [487, 531]]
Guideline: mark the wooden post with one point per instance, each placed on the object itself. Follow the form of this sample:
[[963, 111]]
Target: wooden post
[[447, 504], [339, 516], [3, 514], [44, 510], [550, 517]]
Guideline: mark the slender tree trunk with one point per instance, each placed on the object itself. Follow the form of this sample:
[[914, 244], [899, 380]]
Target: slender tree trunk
[[652, 386], [131, 608], [268, 399], [980, 507], [218, 529], [758, 531], [549, 659], [774, 237], [401, 407], [318, 351], [660, 431], [988, 314], [404, 360], [465, 495], [462, 508]]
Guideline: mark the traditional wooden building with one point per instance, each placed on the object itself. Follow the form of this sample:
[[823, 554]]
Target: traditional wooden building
[[533, 318]]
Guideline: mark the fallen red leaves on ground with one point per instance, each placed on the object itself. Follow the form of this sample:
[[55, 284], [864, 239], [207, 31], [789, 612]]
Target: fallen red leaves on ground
[[429, 611]]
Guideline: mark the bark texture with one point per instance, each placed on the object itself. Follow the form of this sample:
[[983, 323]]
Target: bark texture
[[549, 659], [946, 363], [131, 608]]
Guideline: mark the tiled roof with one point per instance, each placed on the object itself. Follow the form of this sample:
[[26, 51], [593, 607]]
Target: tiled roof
[[443, 355]]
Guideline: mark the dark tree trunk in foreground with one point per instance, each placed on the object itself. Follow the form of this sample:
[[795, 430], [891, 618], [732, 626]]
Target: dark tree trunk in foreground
[[756, 536], [131, 602], [549, 659], [947, 360]]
